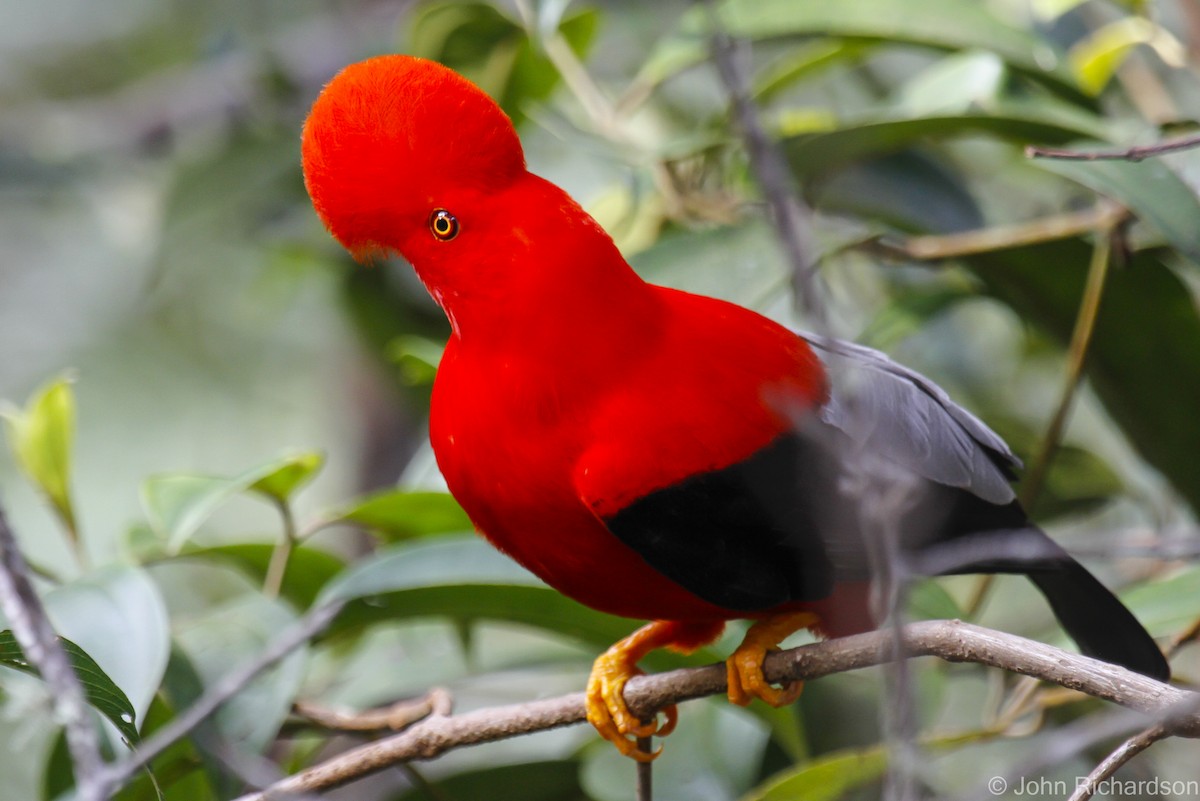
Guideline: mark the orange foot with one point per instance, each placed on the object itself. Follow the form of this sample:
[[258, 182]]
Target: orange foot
[[744, 668], [606, 707]]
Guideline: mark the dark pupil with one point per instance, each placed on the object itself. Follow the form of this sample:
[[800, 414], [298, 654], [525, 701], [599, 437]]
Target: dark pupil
[[443, 224]]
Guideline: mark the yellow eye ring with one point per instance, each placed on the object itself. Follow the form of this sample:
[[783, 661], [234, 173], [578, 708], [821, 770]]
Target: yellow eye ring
[[443, 224]]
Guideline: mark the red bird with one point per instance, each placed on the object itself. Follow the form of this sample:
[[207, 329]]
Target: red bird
[[648, 452]]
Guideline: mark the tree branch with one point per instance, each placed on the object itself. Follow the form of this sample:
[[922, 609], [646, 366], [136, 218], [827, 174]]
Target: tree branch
[[1135, 153], [32, 630], [1177, 710], [1113, 762]]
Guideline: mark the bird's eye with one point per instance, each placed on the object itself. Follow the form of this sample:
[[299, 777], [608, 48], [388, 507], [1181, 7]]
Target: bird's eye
[[443, 224]]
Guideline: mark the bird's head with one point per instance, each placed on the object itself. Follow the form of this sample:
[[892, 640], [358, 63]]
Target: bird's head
[[403, 155], [393, 149]]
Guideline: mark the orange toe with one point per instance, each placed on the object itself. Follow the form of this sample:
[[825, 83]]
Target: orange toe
[[744, 668], [605, 696]]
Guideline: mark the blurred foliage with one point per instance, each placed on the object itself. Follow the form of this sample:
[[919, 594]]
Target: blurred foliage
[[224, 352]]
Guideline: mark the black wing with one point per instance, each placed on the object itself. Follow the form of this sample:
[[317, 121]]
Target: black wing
[[779, 527]]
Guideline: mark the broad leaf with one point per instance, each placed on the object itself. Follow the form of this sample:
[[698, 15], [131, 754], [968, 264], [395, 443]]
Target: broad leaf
[[235, 633], [1043, 121], [826, 778], [1149, 188], [1144, 363], [401, 514], [118, 616]]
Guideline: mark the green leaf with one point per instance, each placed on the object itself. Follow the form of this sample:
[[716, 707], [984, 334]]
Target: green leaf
[[1143, 364], [309, 569], [117, 615], [41, 438], [465, 578], [291, 473], [101, 691], [826, 778], [177, 504], [402, 514], [1149, 188], [1096, 58], [940, 24]]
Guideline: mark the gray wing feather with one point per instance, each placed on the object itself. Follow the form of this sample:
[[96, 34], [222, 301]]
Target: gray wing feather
[[901, 415]]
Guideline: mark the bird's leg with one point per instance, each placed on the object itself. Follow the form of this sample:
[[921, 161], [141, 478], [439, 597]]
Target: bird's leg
[[744, 668], [606, 708]]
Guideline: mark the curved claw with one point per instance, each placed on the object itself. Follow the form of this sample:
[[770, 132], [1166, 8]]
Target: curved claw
[[746, 682], [606, 707], [744, 668], [610, 715]]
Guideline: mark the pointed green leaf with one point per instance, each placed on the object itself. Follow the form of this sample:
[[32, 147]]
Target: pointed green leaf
[[291, 473], [400, 514], [41, 437], [101, 692], [1096, 58], [177, 504]]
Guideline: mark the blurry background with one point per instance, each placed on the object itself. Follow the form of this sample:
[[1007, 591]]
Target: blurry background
[[157, 248]]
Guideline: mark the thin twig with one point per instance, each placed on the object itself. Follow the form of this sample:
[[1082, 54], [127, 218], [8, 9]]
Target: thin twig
[[1077, 352], [1111, 763], [792, 217], [1105, 215], [645, 771], [1135, 153], [393, 717], [1178, 709], [282, 553], [222, 691], [33, 632]]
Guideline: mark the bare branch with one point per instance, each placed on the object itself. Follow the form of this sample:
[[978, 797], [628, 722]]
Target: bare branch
[[395, 716], [1176, 709], [1136, 153], [1127, 751], [32, 630]]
